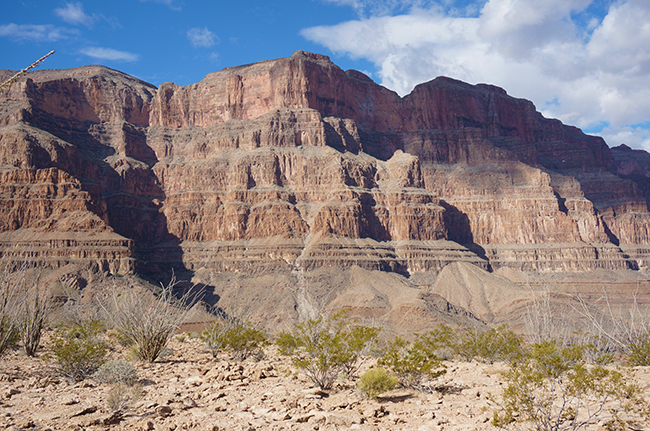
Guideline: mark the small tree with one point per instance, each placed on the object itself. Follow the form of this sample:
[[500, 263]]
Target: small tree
[[325, 348], [149, 322], [553, 388]]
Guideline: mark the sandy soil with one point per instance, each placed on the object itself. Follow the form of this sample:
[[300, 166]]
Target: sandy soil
[[190, 390]]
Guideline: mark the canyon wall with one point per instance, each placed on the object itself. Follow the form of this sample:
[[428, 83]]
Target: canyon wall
[[294, 165]]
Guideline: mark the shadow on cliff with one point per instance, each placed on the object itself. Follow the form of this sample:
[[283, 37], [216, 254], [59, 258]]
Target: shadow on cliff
[[460, 231], [125, 193]]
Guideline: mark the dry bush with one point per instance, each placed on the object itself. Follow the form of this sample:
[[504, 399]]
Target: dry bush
[[121, 397], [10, 305], [24, 304], [24, 71], [146, 321], [116, 372], [616, 329], [33, 318]]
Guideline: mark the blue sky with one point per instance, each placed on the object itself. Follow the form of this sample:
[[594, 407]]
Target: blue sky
[[586, 62]]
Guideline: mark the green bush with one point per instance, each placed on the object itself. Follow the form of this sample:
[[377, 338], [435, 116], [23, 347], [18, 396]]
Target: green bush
[[412, 363], [375, 381], [553, 388], [325, 348], [116, 372], [244, 341], [79, 350], [640, 351], [442, 341], [497, 344]]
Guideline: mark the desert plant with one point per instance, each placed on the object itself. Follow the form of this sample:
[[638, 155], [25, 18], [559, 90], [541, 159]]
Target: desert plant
[[116, 372], [213, 337], [553, 388], [244, 341], [149, 322], [121, 397], [496, 344], [33, 317], [78, 349], [615, 329], [9, 323], [358, 341], [375, 381], [23, 304], [24, 71], [412, 362], [325, 348], [639, 351]]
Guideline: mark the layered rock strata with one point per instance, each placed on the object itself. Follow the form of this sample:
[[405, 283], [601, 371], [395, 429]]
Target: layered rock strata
[[293, 164]]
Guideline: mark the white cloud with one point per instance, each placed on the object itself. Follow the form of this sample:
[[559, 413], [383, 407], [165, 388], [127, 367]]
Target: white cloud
[[201, 37], [635, 137], [574, 65], [171, 3], [109, 54], [73, 13], [35, 33]]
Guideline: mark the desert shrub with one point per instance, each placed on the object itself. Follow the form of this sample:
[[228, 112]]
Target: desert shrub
[[116, 372], [148, 322], [13, 270], [78, 349], [496, 344], [442, 341], [359, 340], [240, 338], [325, 348], [639, 351], [244, 341], [9, 332], [413, 363], [213, 337], [553, 388], [375, 381], [121, 397], [33, 317]]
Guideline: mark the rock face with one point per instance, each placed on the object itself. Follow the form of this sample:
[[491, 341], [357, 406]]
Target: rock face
[[293, 165]]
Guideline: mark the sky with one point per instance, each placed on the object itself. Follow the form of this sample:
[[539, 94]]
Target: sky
[[585, 62]]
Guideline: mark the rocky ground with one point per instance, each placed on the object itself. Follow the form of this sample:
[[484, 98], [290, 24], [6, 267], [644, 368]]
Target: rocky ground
[[190, 390]]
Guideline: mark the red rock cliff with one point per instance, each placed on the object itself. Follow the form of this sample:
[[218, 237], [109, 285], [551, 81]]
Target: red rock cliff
[[294, 163]]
